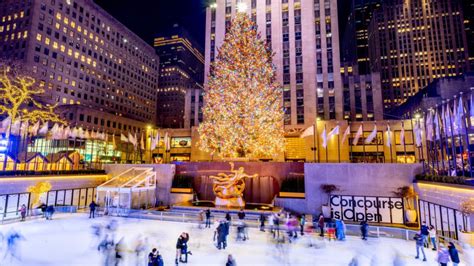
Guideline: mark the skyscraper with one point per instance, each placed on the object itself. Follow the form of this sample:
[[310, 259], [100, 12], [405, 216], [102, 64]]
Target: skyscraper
[[468, 12], [181, 77], [304, 37], [412, 43], [100, 73]]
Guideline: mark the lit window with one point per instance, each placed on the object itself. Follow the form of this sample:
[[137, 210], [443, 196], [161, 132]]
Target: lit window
[[55, 45], [58, 16], [38, 37], [25, 34], [64, 100], [22, 14], [63, 48], [47, 41], [66, 21]]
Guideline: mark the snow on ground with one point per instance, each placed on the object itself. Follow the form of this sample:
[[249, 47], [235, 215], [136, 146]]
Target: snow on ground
[[68, 240]]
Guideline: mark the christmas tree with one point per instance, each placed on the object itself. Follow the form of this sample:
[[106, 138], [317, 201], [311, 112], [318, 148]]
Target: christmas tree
[[243, 114]]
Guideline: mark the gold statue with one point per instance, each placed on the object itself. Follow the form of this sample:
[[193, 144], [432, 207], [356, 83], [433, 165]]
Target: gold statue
[[229, 188]]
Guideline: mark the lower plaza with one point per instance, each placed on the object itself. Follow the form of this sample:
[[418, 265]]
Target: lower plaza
[[70, 239]]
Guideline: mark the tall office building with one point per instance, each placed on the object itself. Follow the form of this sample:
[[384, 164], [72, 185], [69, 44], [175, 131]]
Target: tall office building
[[355, 36], [100, 73], [415, 42], [181, 78], [468, 14], [304, 37]]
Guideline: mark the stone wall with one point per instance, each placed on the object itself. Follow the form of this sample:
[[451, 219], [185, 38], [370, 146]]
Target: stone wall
[[11, 185], [355, 179], [164, 174]]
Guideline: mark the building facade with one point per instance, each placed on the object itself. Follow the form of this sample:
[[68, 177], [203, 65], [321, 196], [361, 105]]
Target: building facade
[[312, 86], [181, 79], [415, 42], [99, 73], [468, 13]]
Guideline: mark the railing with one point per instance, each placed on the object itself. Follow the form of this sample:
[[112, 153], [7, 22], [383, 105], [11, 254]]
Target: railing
[[15, 216]]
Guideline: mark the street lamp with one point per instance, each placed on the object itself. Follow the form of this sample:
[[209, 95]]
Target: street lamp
[[213, 5]]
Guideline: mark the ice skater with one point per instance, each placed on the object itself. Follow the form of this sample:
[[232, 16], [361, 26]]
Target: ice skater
[[154, 258], [241, 214], [420, 245], [23, 212], [230, 261], [364, 229], [340, 230], [182, 248], [13, 238], [140, 247], [321, 225], [453, 254], [262, 222], [49, 212], [208, 218], [443, 255], [92, 208], [241, 231], [106, 247], [302, 223], [220, 235]]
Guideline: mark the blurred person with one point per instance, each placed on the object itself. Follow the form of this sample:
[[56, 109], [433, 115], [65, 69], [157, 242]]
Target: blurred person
[[241, 214], [262, 222], [49, 212], [182, 248], [92, 208], [425, 232], [208, 218], [453, 254], [230, 261], [340, 230], [321, 225], [12, 238], [443, 255], [364, 230], [302, 223]]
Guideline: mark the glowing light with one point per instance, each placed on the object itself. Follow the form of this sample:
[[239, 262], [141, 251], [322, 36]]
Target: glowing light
[[242, 7]]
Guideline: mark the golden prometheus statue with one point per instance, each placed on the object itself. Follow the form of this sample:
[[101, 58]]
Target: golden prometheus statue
[[229, 188]]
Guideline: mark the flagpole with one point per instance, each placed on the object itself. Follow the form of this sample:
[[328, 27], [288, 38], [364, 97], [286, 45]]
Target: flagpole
[[467, 137], [338, 145], [444, 140], [376, 143], [461, 146], [314, 141], [327, 144], [317, 139], [404, 142], [453, 141], [363, 142], [349, 142], [389, 136]]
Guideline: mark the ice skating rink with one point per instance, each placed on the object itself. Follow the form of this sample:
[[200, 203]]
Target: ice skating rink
[[68, 240]]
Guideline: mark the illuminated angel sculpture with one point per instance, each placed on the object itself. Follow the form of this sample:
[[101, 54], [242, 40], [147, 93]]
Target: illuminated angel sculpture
[[229, 188]]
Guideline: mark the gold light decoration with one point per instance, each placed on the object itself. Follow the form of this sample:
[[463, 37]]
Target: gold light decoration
[[243, 113], [18, 93], [37, 190], [229, 188]]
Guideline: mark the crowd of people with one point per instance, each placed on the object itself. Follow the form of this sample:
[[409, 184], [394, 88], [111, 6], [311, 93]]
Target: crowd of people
[[427, 236]]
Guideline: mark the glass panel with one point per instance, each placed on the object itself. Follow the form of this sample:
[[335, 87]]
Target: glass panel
[[51, 198], [60, 198], [68, 197], [12, 206]]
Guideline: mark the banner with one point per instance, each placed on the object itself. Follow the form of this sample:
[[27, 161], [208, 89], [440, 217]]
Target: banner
[[370, 209]]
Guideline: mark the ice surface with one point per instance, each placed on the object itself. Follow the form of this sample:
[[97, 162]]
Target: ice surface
[[68, 240]]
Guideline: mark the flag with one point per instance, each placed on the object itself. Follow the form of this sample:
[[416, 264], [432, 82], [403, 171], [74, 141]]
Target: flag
[[324, 136], [80, 133], [308, 132], [15, 127], [34, 128], [429, 126], [24, 129], [371, 136], [67, 132], [44, 129], [459, 122], [132, 139], [142, 142], [448, 120], [5, 124], [346, 133], [437, 127], [123, 138], [73, 133], [417, 131], [357, 136], [471, 110], [389, 137], [114, 145], [456, 119], [334, 131], [167, 141], [54, 131], [155, 141], [402, 135]]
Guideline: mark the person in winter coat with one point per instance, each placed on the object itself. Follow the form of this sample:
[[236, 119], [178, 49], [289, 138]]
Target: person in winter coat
[[43, 207], [453, 254], [262, 222], [425, 232], [321, 225], [49, 212], [227, 217], [221, 235], [420, 245], [302, 223], [241, 214], [443, 255], [92, 208], [182, 248], [364, 229], [340, 230], [23, 212], [208, 218], [230, 261], [432, 233]]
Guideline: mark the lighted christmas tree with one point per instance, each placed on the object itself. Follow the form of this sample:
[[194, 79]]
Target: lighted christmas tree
[[243, 114]]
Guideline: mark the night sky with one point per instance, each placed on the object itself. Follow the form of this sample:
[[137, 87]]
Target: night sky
[[149, 18]]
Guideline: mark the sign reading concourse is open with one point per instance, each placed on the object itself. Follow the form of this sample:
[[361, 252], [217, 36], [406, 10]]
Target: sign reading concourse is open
[[371, 209]]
